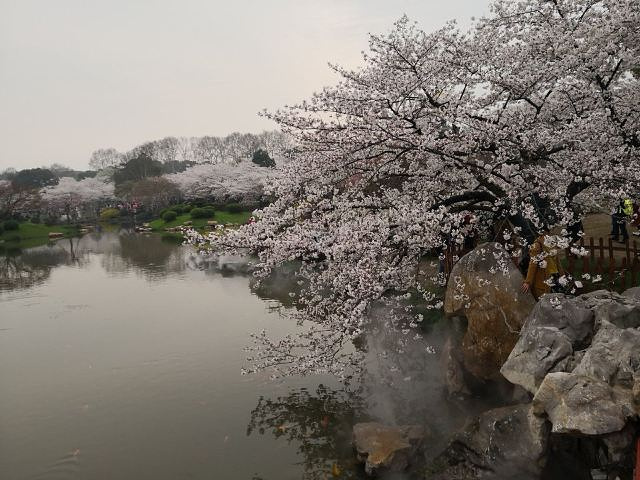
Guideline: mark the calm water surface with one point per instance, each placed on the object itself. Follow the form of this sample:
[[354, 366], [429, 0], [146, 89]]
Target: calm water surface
[[120, 358]]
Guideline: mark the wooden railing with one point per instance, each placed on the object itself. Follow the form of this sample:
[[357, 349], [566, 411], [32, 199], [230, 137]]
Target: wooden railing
[[618, 265]]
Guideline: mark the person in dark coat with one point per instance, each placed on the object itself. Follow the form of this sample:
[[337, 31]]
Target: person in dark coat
[[619, 223]]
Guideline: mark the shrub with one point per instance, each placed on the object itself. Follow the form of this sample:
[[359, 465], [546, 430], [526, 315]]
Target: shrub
[[35, 219], [13, 238], [1, 229], [10, 225], [169, 216], [234, 208], [197, 213], [180, 209], [109, 213], [204, 212]]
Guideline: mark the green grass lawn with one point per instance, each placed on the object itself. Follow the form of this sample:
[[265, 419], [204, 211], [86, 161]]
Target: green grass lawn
[[199, 223], [160, 224], [33, 234]]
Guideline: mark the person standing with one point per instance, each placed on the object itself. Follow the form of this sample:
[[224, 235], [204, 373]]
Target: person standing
[[619, 222], [544, 267]]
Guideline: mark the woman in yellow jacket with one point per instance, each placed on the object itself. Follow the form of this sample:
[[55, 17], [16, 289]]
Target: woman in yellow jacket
[[543, 265]]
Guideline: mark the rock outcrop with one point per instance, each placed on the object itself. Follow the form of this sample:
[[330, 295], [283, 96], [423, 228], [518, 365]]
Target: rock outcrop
[[453, 370], [580, 357], [484, 286], [548, 340], [577, 404], [508, 442], [383, 448]]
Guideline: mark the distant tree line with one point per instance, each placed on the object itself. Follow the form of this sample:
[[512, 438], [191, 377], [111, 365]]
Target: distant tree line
[[151, 176]]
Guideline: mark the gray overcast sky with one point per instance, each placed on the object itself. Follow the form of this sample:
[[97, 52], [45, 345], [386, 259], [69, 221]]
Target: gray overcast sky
[[77, 75]]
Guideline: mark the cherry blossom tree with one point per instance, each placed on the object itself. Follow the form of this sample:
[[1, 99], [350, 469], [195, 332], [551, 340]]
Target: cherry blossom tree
[[75, 198], [16, 199], [223, 182], [154, 193], [508, 122]]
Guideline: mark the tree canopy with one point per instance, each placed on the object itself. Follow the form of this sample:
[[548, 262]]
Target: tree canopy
[[137, 168], [262, 159], [535, 104], [34, 178]]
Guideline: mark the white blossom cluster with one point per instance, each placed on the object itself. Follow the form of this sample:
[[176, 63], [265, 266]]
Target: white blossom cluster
[[71, 195], [536, 102], [223, 182]]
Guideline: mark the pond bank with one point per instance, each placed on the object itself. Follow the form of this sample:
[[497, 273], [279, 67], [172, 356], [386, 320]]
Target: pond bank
[[34, 234]]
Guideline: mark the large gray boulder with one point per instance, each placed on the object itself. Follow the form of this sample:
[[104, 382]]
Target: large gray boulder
[[485, 287], [384, 448], [632, 293], [621, 310], [578, 404], [539, 351], [580, 357], [613, 357], [508, 442], [556, 326]]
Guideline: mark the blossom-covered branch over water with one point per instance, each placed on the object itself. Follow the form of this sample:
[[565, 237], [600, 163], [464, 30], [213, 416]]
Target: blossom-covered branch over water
[[535, 105]]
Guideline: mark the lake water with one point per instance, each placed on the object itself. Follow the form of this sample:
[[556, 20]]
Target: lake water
[[120, 358]]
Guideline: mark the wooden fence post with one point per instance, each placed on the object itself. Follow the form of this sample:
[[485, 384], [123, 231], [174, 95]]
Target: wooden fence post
[[601, 247], [610, 248]]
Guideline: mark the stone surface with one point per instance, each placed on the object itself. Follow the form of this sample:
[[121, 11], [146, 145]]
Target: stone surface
[[556, 326], [613, 357], [453, 371], [621, 310], [581, 359], [578, 404], [484, 286], [539, 351], [508, 442], [385, 448], [632, 293]]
